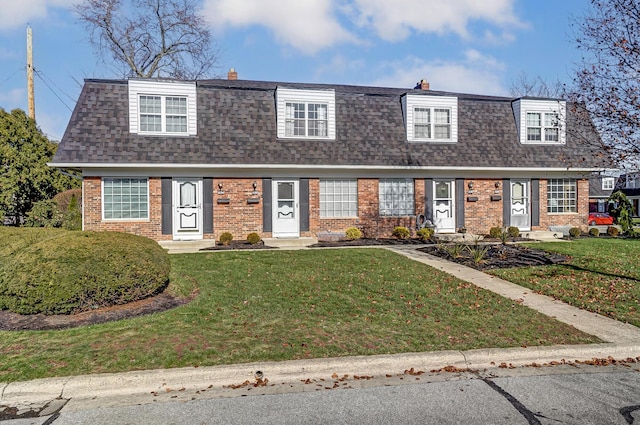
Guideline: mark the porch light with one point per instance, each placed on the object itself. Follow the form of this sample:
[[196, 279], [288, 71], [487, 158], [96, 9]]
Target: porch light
[[220, 191], [255, 187]]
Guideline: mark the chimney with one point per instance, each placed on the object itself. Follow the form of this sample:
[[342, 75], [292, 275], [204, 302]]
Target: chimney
[[233, 75]]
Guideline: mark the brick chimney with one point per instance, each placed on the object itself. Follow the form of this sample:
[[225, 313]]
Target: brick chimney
[[233, 75]]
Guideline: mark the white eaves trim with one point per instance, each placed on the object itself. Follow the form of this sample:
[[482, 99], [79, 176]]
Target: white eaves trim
[[139, 87]]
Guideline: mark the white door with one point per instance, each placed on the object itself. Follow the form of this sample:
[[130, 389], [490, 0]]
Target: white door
[[286, 211], [187, 209], [444, 217], [520, 216]]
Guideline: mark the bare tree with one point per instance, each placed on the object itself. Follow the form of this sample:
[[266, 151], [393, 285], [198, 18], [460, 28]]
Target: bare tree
[[150, 38], [608, 78], [536, 87]]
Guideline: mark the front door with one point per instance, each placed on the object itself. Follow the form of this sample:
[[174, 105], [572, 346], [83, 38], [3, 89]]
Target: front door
[[187, 209], [444, 217], [286, 211], [520, 216]]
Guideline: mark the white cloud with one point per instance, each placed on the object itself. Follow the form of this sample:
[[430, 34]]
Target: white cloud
[[308, 25], [395, 22], [16, 14], [476, 74], [339, 65]]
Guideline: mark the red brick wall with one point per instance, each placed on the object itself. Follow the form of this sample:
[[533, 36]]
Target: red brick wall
[[578, 219], [92, 212], [238, 216], [483, 214]]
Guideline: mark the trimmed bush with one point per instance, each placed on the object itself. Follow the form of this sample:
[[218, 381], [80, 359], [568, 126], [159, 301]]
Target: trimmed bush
[[63, 199], [495, 232], [594, 232], [613, 231], [513, 231], [253, 238], [401, 232], [425, 234], [353, 233], [226, 238], [574, 232], [54, 271]]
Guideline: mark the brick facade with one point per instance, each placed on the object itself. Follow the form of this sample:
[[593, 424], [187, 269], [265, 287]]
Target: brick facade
[[234, 209]]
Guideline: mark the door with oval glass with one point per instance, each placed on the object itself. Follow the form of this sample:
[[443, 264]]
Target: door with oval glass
[[520, 215], [444, 217], [187, 209], [286, 209]]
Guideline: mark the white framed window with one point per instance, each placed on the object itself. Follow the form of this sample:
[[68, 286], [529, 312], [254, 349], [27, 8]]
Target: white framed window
[[338, 198], [431, 118], [562, 196], [163, 114], [306, 114], [306, 119], [608, 183], [632, 181], [162, 107], [125, 198], [543, 126], [540, 121], [396, 197]]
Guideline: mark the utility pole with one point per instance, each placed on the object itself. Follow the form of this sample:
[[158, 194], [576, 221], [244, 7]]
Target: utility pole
[[30, 95]]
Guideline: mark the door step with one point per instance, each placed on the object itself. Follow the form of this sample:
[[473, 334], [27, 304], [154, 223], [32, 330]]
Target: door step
[[289, 242], [181, 247], [543, 235]]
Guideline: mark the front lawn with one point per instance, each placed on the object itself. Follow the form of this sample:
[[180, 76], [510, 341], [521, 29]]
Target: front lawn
[[281, 305], [603, 276]]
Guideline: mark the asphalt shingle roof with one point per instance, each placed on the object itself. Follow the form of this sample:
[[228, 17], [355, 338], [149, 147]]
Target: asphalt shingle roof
[[237, 125]]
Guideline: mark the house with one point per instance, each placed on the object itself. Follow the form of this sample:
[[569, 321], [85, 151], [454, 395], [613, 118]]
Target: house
[[601, 186], [188, 160], [629, 184]]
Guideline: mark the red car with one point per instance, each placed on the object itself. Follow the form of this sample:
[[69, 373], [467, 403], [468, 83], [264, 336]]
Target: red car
[[600, 218]]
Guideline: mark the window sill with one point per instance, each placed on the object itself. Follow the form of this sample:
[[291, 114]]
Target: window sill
[[126, 220]]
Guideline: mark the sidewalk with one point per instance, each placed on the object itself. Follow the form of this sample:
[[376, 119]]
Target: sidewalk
[[81, 392]]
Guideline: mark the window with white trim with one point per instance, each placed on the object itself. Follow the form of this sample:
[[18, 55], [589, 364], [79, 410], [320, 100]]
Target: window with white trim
[[338, 198], [543, 127], [430, 118], [396, 197], [125, 198], [163, 114], [306, 119], [608, 183], [562, 196]]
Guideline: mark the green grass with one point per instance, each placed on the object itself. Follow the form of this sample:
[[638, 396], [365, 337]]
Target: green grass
[[281, 305], [603, 276]]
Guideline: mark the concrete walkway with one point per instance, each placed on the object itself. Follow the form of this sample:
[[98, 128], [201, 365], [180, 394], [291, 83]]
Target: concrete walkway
[[81, 392]]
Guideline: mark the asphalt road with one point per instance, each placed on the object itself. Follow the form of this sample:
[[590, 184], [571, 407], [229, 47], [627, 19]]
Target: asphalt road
[[553, 395]]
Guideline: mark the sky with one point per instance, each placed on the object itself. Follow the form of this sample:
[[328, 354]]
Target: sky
[[466, 46]]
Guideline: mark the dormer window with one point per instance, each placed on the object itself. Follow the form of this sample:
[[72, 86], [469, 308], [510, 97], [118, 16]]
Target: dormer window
[[540, 121], [306, 114], [162, 107], [306, 119], [608, 183], [431, 118]]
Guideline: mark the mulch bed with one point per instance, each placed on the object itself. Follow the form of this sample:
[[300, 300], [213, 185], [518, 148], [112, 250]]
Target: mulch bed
[[17, 322], [367, 242]]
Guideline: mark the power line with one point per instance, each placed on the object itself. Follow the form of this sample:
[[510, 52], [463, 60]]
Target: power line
[[51, 89], [71, 98], [11, 76]]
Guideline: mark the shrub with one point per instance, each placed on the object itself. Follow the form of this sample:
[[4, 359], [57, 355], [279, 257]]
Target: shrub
[[44, 214], [613, 231], [425, 234], [401, 232], [495, 232], [353, 233], [53, 271], [594, 232], [226, 238], [513, 231], [63, 199], [253, 238], [574, 232], [72, 218]]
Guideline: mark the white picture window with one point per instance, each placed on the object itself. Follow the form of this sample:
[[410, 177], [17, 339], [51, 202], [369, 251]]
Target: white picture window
[[163, 114], [396, 197], [306, 119], [338, 198], [562, 196], [125, 198]]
